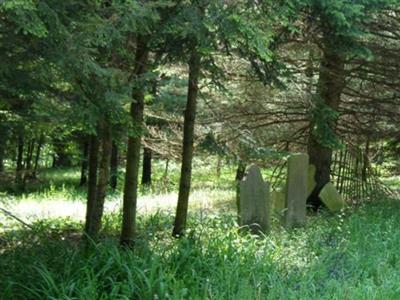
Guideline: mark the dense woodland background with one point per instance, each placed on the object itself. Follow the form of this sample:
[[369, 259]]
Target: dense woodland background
[[111, 101]]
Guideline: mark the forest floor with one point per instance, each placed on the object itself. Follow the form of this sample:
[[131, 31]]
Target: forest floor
[[351, 255]]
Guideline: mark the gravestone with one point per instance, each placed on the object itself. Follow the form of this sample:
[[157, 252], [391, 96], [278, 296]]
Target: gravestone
[[296, 190], [278, 200], [254, 201], [330, 196]]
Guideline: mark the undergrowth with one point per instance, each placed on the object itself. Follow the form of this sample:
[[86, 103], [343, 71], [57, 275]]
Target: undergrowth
[[353, 255]]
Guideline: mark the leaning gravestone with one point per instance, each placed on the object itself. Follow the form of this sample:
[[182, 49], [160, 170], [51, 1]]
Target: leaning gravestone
[[330, 196], [296, 190], [254, 201]]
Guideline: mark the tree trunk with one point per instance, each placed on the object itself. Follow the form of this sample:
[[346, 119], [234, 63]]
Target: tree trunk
[[188, 140], [2, 151], [4, 135], [128, 232], [37, 157], [92, 182], [84, 162], [103, 181], [20, 157], [330, 87], [240, 172], [165, 176], [146, 174], [53, 162], [62, 158], [114, 167], [219, 166], [29, 155]]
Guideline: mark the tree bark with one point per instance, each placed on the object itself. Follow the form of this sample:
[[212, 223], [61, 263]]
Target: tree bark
[[114, 167], [128, 232], [92, 182], [84, 162], [146, 174], [37, 156], [330, 87], [188, 140], [103, 181]]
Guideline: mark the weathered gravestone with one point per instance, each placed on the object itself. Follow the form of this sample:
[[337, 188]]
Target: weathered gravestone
[[296, 190], [278, 201], [330, 196], [254, 201]]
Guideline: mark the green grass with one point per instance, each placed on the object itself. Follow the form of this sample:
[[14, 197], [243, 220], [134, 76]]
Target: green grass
[[350, 256], [353, 255]]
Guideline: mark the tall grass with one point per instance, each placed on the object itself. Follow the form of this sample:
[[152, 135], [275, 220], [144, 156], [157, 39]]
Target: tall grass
[[349, 256], [353, 255]]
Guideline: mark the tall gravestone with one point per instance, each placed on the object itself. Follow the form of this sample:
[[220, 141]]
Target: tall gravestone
[[297, 190], [254, 201]]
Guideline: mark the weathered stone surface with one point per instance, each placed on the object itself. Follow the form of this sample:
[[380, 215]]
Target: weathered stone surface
[[278, 201], [330, 196], [254, 201], [311, 179], [297, 189]]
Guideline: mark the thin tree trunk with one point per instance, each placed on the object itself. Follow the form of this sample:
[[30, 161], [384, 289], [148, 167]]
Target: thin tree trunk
[[114, 167], [20, 157], [188, 140], [330, 87], [37, 156], [2, 150], [128, 232], [146, 174], [84, 162], [53, 163], [240, 172], [4, 136], [92, 182], [62, 157], [29, 155], [165, 176], [103, 181], [219, 166]]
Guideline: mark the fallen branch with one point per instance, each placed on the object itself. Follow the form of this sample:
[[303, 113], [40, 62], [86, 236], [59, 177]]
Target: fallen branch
[[6, 212]]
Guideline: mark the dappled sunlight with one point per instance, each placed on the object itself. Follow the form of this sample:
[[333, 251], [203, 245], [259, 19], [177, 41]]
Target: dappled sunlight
[[60, 204]]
